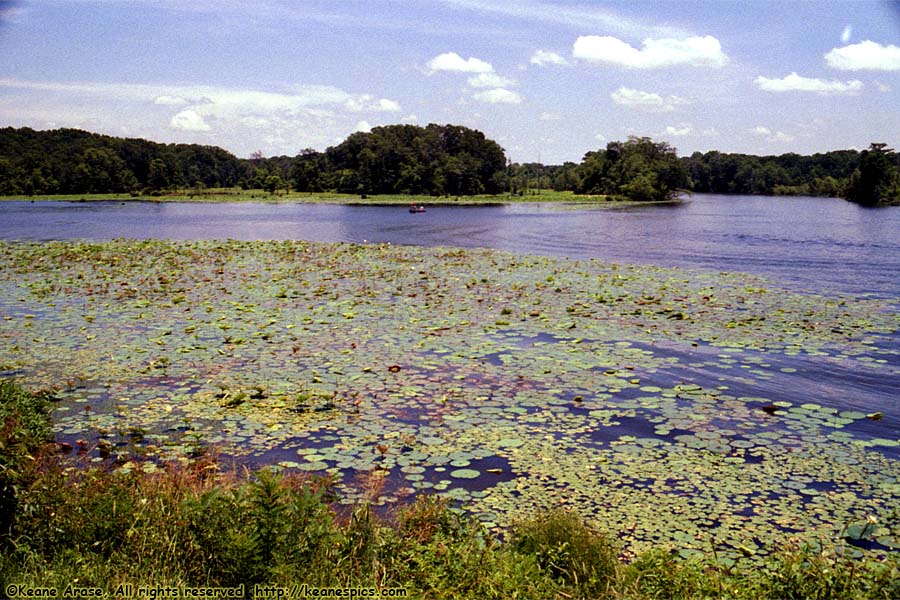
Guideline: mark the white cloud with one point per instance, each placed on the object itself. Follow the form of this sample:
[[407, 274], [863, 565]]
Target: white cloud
[[388, 105], [645, 101], [600, 137], [545, 57], [867, 55], [778, 136], [703, 51], [490, 80], [367, 103], [210, 99], [882, 87], [362, 127], [169, 101], [498, 96], [796, 83], [410, 119], [189, 120], [682, 129], [550, 116], [243, 120], [451, 61], [847, 33]]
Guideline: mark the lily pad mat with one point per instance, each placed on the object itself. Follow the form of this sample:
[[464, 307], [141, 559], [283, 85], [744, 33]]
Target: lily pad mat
[[673, 406]]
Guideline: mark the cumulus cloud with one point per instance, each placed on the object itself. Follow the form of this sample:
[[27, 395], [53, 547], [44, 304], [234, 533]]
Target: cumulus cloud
[[778, 136], [490, 80], [865, 56], [243, 120], [679, 130], [796, 83], [545, 57], [703, 51], [189, 120], [451, 61], [362, 127], [367, 103], [550, 116], [218, 101], [498, 96], [645, 101]]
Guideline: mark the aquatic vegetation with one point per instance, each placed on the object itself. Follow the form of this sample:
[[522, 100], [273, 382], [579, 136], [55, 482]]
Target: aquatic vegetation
[[699, 410]]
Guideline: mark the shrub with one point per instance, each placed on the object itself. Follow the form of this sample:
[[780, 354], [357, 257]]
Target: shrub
[[24, 429], [569, 550]]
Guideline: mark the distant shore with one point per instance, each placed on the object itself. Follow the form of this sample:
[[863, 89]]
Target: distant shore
[[260, 196]]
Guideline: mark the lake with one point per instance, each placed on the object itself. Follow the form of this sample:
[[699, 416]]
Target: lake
[[810, 243], [719, 372]]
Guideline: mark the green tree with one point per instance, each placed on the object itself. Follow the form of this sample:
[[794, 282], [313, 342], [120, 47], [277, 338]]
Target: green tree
[[437, 159], [639, 169], [158, 177], [273, 183], [876, 180]]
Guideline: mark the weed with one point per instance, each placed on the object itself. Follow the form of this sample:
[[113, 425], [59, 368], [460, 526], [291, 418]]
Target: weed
[[569, 550]]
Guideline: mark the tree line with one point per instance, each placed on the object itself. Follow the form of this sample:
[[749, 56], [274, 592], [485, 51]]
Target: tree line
[[436, 160], [70, 161], [397, 159]]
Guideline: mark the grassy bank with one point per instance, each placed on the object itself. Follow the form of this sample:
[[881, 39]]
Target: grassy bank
[[192, 525], [240, 195]]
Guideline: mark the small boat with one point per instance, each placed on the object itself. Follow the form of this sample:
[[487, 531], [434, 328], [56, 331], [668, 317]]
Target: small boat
[[416, 208]]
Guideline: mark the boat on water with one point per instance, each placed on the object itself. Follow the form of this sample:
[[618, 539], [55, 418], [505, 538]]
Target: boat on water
[[416, 208]]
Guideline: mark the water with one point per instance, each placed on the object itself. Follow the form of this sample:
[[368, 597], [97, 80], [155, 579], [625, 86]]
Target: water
[[814, 244], [805, 244]]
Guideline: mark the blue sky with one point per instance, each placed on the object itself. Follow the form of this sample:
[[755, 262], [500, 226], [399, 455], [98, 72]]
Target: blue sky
[[548, 79]]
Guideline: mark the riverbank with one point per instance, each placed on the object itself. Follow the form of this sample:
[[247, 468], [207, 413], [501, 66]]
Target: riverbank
[[261, 196], [71, 530]]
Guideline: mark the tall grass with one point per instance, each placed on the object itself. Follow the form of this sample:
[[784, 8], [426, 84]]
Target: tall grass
[[196, 526]]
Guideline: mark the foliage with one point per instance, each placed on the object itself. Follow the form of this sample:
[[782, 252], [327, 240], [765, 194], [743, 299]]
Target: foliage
[[571, 552], [639, 169], [877, 179], [436, 160], [24, 428], [70, 161], [822, 174], [195, 525], [432, 160]]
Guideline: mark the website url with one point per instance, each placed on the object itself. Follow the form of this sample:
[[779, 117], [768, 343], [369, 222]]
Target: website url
[[306, 591]]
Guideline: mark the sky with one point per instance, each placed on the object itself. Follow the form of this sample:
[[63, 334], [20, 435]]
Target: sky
[[549, 80]]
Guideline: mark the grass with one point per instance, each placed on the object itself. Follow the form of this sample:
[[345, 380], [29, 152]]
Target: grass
[[240, 195], [193, 525]]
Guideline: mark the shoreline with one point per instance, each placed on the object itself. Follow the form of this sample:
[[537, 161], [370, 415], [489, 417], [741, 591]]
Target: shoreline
[[256, 196]]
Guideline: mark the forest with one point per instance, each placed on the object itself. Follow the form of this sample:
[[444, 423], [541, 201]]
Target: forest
[[436, 160]]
